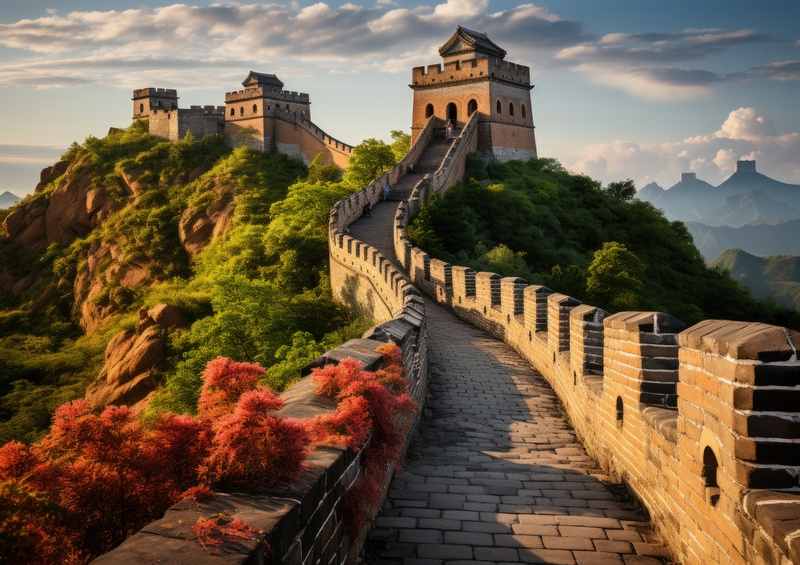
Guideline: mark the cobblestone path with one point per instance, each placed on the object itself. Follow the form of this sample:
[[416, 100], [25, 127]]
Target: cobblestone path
[[497, 474]]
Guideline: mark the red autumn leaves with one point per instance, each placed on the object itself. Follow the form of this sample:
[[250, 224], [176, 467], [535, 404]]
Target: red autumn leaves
[[95, 479]]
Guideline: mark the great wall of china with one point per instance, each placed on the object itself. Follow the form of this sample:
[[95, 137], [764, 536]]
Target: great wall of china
[[538, 407]]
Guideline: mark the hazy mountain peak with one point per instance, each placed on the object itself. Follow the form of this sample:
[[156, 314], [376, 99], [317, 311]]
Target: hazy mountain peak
[[8, 199]]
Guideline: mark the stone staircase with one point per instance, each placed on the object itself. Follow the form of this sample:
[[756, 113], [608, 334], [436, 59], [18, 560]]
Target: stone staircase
[[428, 164]]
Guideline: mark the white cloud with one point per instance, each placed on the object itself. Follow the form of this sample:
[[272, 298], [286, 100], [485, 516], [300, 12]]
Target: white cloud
[[745, 134], [183, 41], [458, 9], [317, 37], [746, 124], [653, 84]]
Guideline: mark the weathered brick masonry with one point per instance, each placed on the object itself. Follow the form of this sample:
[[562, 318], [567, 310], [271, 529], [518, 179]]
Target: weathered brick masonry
[[262, 116], [702, 423]]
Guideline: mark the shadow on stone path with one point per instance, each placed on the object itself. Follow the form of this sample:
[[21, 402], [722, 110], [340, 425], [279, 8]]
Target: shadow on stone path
[[497, 474]]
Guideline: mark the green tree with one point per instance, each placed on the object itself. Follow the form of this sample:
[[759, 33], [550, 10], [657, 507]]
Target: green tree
[[369, 160], [615, 276], [622, 190], [401, 143], [319, 171]]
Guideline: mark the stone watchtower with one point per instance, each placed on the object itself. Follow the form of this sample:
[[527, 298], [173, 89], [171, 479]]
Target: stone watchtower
[[249, 113], [146, 100], [476, 77]]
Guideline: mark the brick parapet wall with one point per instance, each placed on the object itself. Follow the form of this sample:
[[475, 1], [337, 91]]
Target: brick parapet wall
[[653, 401], [311, 128], [302, 522]]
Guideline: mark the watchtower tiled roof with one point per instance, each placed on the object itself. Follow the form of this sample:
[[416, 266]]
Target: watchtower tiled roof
[[465, 40], [262, 79]]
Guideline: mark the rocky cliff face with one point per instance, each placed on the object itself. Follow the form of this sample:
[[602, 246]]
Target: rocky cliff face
[[71, 208], [133, 358], [199, 226], [96, 213]]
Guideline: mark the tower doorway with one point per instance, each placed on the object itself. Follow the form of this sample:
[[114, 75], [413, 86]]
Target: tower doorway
[[452, 112]]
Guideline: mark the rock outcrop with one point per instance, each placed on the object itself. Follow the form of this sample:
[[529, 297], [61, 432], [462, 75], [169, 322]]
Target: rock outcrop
[[49, 174], [70, 210], [133, 359], [200, 226], [99, 287]]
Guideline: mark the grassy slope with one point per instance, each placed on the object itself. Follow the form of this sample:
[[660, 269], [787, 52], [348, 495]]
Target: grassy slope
[[260, 294]]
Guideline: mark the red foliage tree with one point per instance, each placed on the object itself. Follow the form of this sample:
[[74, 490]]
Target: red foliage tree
[[350, 425], [224, 381], [253, 448], [96, 478], [384, 394]]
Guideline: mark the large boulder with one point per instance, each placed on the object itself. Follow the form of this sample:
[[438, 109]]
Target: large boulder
[[49, 174], [200, 226], [133, 358], [26, 224], [66, 217], [129, 373]]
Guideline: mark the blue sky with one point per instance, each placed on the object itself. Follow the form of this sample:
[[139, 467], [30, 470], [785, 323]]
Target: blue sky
[[639, 89]]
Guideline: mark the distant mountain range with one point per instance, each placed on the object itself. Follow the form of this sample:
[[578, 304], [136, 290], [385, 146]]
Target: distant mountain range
[[746, 197], [8, 199], [760, 239], [748, 211], [766, 277]]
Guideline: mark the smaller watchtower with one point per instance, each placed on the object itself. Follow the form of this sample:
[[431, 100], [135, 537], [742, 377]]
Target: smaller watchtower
[[147, 99], [250, 113]]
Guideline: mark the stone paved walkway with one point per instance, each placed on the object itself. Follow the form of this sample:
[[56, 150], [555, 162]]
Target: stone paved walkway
[[497, 475]]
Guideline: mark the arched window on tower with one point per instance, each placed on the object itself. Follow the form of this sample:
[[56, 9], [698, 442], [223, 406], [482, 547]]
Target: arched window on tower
[[452, 112], [472, 107], [241, 110], [255, 108], [499, 108], [710, 466], [524, 113], [429, 110], [233, 111], [510, 108], [141, 108]]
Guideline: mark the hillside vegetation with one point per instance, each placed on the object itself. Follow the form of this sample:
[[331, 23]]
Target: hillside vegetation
[[137, 261], [776, 278], [534, 220]]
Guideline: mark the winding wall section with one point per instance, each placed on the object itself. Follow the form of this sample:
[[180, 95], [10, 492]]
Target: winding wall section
[[702, 423]]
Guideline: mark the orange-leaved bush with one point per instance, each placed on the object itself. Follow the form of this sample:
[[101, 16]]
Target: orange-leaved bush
[[96, 478], [379, 398], [224, 381], [253, 448]]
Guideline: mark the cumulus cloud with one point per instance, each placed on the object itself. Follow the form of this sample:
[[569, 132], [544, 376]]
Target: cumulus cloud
[[180, 43], [745, 134], [343, 38]]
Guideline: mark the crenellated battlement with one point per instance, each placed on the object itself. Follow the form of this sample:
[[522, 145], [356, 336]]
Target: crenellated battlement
[[450, 72], [154, 92], [700, 422], [472, 69], [269, 93]]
